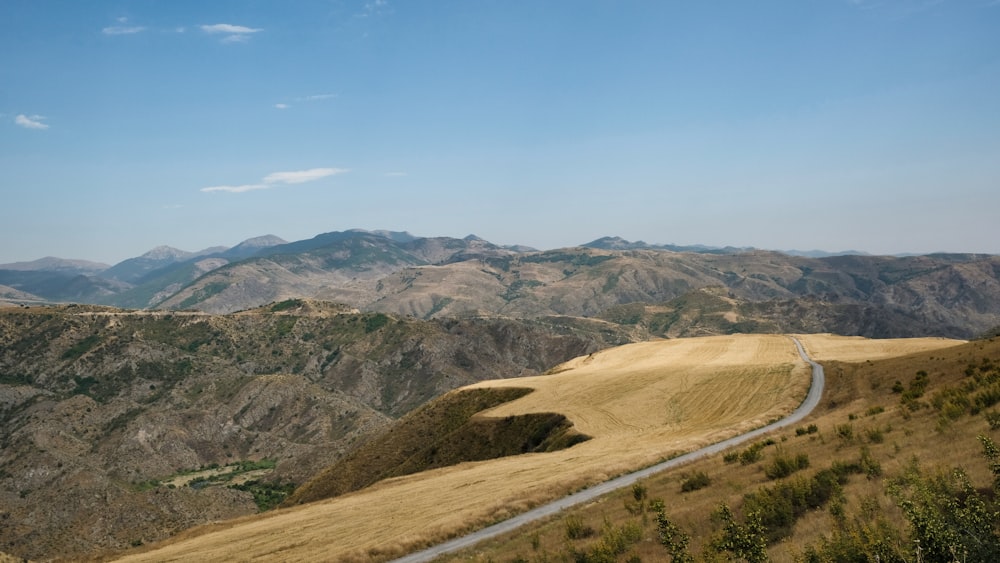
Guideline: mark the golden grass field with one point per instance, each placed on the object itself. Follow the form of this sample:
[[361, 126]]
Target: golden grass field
[[641, 403]]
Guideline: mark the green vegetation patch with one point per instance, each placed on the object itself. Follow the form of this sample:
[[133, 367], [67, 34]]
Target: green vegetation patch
[[81, 347], [286, 305], [266, 495], [576, 259]]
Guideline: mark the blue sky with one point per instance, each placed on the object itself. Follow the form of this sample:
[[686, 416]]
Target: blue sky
[[836, 124]]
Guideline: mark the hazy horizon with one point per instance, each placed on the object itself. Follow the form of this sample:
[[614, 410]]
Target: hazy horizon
[[832, 125], [420, 235]]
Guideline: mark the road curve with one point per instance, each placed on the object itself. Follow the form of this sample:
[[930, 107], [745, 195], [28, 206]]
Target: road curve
[[586, 495]]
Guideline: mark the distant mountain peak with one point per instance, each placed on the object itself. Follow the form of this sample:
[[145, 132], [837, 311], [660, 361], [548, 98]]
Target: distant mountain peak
[[614, 243], [263, 241], [166, 253], [397, 236]]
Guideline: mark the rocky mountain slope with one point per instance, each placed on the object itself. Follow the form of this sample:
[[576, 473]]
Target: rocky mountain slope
[[955, 295], [101, 409], [946, 295]]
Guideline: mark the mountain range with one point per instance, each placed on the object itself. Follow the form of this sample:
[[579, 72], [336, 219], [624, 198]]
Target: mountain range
[[956, 295]]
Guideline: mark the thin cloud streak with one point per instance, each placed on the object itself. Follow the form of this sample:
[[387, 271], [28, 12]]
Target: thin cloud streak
[[302, 176], [280, 178], [234, 33], [236, 189], [229, 28], [33, 122], [123, 30]]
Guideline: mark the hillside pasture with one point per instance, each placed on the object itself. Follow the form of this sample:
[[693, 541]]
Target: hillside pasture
[[640, 403]]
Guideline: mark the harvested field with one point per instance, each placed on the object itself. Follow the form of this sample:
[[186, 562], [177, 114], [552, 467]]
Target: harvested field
[[641, 403], [822, 347]]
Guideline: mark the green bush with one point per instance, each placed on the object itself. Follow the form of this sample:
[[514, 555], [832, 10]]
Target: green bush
[[875, 435], [753, 453], [576, 529], [993, 419], [266, 495], [804, 430], [695, 481], [784, 465], [845, 432]]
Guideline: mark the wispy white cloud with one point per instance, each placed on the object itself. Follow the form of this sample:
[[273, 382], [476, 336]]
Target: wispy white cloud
[[233, 33], [302, 176], [123, 29], [228, 28], [236, 189], [31, 122], [280, 178], [306, 100]]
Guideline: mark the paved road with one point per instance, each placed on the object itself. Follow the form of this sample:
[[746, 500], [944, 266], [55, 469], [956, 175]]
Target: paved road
[[586, 495]]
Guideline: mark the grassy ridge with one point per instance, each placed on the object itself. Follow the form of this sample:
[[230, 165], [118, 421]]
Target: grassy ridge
[[440, 434], [899, 435]]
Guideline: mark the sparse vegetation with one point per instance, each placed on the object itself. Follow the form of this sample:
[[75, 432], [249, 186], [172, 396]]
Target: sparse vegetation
[[784, 465], [617, 533], [805, 430]]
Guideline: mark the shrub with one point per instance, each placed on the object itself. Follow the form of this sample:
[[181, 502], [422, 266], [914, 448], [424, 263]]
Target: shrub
[[993, 418], [576, 529], [869, 465], [639, 492], [877, 409], [695, 481], [802, 431], [753, 452], [915, 391], [615, 540], [783, 466], [845, 432], [875, 435]]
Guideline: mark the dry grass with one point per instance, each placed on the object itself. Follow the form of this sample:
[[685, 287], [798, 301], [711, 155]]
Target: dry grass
[[640, 403], [860, 396], [825, 347]]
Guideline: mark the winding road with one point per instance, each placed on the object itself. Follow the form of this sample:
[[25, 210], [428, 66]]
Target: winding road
[[586, 495]]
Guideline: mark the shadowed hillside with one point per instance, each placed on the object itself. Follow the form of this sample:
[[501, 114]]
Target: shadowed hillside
[[442, 433]]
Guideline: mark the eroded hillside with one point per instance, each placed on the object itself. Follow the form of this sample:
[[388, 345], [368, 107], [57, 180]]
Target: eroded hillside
[[100, 408]]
